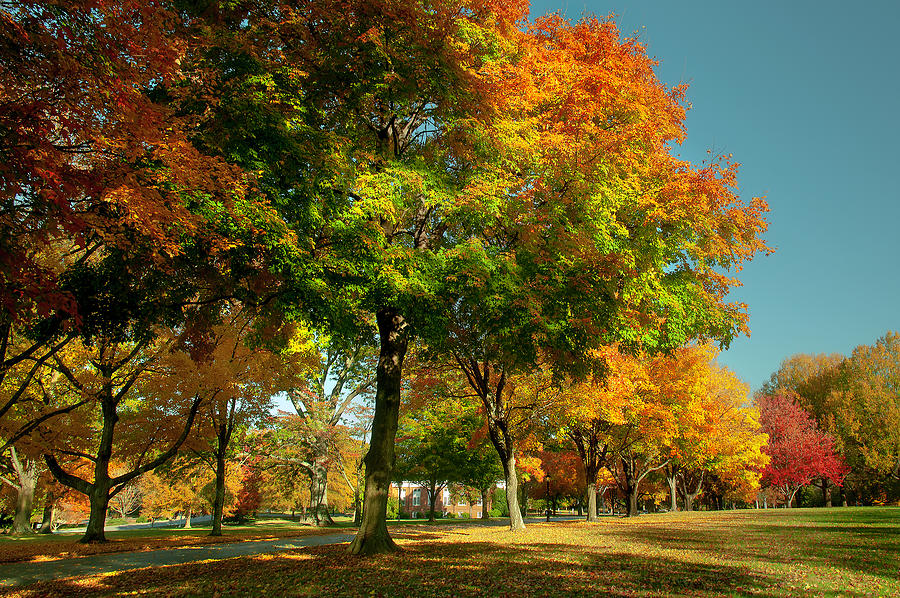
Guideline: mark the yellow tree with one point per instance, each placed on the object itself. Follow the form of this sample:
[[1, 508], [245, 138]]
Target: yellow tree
[[588, 411], [718, 433]]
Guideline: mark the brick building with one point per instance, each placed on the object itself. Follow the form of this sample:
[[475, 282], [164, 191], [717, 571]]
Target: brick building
[[414, 500]]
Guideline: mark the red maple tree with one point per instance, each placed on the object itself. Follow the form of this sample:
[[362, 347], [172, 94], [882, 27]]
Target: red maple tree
[[800, 452]]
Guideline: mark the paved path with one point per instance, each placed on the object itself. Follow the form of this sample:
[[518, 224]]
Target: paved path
[[17, 574]]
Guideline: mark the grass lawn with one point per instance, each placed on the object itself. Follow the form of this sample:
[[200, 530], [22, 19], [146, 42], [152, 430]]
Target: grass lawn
[[65, 545], [808, 552]]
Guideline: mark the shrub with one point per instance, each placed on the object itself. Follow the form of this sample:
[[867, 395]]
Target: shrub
[[236, 519], [499, 503], [393, 506], [405, 515]]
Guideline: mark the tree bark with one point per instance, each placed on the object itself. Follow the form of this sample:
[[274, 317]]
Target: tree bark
[[592, 503], [187, 518], [99, 500], [318, 495], [631, 488], [47, 520], [516, 522], [26, 482], [825, 485], [485, 507], [373, 536], [673, 493], [219, 500]]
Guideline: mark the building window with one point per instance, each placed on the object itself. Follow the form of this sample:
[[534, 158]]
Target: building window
[[417, 498], [446, 497], [478, 515], [478, 502]]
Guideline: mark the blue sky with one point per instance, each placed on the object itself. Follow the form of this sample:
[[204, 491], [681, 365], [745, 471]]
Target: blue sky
[[806, 96]]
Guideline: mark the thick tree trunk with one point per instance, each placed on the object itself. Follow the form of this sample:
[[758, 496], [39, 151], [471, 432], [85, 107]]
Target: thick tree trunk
[[318, 495], [96, 527], [516, 522], [187, 518], [631, 489], [219, 500], [592, 503], [485, 507], [373, 536], [47, 520], [27, 474], [99, 490]]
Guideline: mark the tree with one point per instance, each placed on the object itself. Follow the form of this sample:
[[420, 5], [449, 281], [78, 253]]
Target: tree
[[345, 370], [239, 376], [716, 433], [135, 390], [798, 450], [812, 379], [869, 417], [23, 480], [588, 411]]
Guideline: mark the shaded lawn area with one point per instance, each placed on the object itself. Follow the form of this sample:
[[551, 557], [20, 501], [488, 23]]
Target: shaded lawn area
[[834, 552], [39, 547]]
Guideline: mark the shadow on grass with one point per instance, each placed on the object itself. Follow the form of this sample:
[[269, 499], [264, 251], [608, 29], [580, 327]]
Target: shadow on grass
[[853, 540], [429, 569]]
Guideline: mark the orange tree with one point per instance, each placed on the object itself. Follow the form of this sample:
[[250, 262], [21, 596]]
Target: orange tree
[[589, 231]]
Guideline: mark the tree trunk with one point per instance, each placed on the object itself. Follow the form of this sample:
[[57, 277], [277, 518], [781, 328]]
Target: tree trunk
[[318, 495], [631, 489], [47, 520], [516, 522], [96, 527], [373, 536], [187, 518], [485, 507], [825, 485], [219, 500], [673, 504], [27, 474], [592, 503], [432, 499]]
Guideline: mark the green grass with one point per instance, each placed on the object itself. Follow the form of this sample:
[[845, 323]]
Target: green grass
[[808, 552]]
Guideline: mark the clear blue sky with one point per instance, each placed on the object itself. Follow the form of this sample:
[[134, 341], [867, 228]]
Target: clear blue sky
[[806, 96]]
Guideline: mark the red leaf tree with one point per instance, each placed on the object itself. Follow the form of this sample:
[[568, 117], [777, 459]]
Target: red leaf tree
[[800, 452]]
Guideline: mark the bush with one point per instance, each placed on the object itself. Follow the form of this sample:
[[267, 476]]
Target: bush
[[236, 519], [142, 519], [450, 515], [499, 503], [404, 515], [464, 516], [393, 506], [495, 512]]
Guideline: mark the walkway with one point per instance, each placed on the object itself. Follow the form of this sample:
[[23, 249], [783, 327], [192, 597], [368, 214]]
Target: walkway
[[17, 574]]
